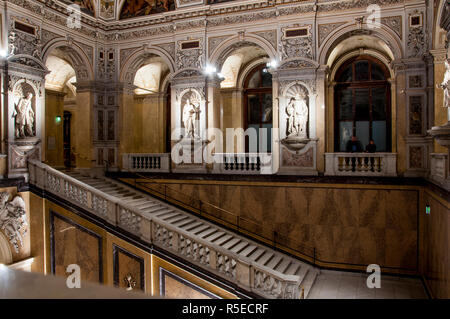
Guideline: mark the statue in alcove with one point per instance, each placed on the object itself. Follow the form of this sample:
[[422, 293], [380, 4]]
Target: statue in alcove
[[297, 112], [24, 116], [190, 119], [297, 118]]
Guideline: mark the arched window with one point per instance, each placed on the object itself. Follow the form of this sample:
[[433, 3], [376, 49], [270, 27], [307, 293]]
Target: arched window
[[363, 104], [258, 105]]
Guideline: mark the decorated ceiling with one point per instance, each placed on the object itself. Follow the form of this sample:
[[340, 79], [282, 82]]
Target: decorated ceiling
[[136, 8], [133, 8], [86, 6]]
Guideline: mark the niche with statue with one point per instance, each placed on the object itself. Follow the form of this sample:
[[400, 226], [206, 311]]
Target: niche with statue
[[296, 117]]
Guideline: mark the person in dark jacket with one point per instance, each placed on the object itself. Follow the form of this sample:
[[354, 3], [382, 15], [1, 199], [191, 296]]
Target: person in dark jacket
[[354, 145], [371, 147]]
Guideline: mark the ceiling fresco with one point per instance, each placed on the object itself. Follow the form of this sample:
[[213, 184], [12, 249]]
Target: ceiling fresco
[[136, 8], [86, 6]]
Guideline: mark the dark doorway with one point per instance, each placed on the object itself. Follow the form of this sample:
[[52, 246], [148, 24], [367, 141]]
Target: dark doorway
[[66, 139]]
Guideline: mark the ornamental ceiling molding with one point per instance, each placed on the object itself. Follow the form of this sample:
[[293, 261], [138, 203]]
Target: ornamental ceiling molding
[[352, 4], [57, 12]]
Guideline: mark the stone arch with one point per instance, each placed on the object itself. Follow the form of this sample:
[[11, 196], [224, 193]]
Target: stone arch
[[225, 48], [348, 55], [75, 55], [135, 60], [247, 69], [382, 32]]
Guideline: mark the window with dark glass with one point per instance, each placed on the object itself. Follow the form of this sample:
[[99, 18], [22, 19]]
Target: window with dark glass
[[362, 104], [258, 106]]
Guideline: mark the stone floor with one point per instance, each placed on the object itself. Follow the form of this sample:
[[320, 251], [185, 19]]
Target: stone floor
[[348, 285]]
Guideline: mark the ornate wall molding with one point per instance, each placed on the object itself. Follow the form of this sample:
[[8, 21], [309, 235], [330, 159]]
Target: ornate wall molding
[[395, 24], [270, 36], [169, 48], [13, 221], [326, 29], [214, 42]]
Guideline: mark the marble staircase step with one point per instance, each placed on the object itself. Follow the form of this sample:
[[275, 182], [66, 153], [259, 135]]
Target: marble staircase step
[[153, 207]]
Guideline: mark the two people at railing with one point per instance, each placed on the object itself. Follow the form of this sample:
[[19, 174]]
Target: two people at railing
[[354, 146]]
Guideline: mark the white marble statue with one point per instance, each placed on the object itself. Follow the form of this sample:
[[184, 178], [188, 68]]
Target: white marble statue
[[13, 219], [297, 112], [24, 117], [446, 85], [190, 119]]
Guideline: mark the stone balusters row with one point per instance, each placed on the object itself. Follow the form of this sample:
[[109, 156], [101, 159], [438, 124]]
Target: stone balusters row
[[239, 270]]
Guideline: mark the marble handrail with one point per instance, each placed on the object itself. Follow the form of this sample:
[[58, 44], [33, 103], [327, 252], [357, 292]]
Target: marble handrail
[[242, 271]]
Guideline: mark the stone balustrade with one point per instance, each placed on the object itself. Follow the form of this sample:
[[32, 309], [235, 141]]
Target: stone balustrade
[[141, 162], [361, 164], [439, 170], [245, 273], [242, 163]]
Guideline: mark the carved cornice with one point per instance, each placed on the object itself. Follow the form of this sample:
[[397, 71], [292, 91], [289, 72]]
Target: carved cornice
[[233, 12]]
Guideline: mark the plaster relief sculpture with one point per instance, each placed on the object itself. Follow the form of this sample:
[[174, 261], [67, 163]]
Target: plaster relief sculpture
[[190, 119], [13, 219], [12, 42], [297, 113], [130, 282], [24, 117]]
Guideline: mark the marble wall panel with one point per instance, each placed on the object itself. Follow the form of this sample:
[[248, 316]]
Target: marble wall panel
[[347, 225], [71, 243], [436, 246], [128, 269]]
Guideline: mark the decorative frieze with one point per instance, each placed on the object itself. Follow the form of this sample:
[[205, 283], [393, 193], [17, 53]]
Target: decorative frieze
[[189, 58], [295, 47]]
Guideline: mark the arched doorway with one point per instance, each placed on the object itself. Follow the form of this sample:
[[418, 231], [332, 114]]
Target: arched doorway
[[362, 103], [258, 107]]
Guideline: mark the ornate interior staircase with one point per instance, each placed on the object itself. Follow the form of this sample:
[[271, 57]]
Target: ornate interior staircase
[[252, 266]]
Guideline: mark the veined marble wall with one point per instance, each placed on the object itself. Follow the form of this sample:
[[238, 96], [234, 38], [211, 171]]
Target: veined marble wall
[[435, 256], [60, 236], [348, 225]]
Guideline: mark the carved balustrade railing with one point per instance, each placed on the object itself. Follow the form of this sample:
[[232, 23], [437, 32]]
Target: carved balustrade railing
[[361, 164], [234, 268], [141, 162], [242, 163]]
